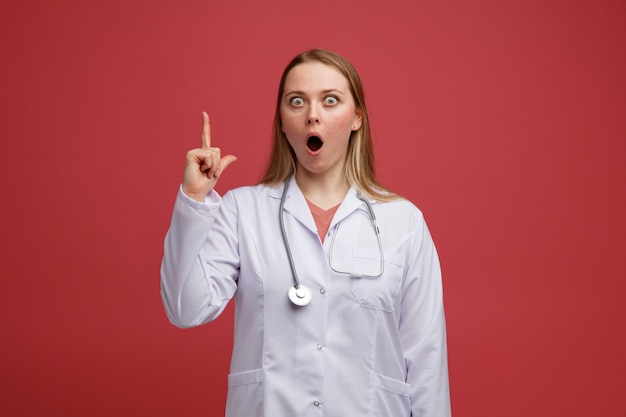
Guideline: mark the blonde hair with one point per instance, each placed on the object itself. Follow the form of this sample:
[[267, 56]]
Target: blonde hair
[[360, 170]]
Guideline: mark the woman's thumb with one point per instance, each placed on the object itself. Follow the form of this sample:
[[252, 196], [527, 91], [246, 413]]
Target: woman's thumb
[[226, 161]]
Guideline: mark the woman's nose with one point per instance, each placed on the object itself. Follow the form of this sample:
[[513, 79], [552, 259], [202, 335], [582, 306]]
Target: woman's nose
[[313, 116]]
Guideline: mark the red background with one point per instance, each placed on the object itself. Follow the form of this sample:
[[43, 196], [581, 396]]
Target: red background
[[505, 121]]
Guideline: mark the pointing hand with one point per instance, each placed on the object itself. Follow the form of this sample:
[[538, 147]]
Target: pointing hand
[[204, 165]]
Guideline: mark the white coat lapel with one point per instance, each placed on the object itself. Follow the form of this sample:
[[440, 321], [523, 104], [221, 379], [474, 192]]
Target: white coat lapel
[[349, 205], [295, 204]]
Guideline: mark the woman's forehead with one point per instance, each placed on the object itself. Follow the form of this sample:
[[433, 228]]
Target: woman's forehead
[[314, 76]]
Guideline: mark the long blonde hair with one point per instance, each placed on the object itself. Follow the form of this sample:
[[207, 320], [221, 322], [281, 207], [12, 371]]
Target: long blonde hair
[[360, 170]]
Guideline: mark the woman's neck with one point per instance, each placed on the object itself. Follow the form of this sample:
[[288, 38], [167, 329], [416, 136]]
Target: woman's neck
[[323, 190]]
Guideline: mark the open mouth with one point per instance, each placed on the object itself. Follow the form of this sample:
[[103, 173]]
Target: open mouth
[[314, 143]]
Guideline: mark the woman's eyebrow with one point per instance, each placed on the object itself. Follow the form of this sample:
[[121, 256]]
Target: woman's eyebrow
[[297, 92], [333, 90]]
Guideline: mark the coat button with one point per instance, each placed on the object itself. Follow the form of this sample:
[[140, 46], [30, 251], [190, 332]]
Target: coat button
[[316, 403], [322, 290], [319, 346]]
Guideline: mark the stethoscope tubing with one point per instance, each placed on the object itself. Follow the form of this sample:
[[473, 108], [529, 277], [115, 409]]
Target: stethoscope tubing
[[284, 233], [299, 294]]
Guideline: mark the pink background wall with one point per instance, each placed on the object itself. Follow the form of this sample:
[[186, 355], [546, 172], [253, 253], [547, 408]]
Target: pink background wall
[[505, 121]]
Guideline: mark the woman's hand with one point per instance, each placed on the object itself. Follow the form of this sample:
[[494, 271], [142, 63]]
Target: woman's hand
[[204, 165]]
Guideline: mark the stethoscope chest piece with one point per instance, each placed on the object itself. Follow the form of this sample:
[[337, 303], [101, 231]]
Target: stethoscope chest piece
[[300, 296]]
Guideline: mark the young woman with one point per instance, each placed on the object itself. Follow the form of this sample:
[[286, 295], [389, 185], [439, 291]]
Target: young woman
[[339, 308]]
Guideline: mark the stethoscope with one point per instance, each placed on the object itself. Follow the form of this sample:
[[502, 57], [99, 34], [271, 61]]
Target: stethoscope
[[301, 295]]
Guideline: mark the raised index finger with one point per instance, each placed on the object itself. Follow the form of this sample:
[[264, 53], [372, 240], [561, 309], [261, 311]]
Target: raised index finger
[[206, 131]]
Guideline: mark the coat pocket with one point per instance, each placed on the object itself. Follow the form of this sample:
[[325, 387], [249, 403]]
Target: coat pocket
[[390, 397], [245, 393], [377, 293]]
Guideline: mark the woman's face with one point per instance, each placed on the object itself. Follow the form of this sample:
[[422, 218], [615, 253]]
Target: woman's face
[[318, 114]]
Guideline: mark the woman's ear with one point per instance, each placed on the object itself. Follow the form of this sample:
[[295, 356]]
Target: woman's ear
[[358, 120]]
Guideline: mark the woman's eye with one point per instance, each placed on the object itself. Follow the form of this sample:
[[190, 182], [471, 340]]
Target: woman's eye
[[330, 100], [296, 101]]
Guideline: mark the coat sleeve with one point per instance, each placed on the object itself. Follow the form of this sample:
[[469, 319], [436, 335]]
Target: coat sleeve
[[423, 328], [192, 293]]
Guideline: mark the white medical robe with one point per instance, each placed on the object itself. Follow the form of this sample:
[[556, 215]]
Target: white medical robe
[[363, 347]]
